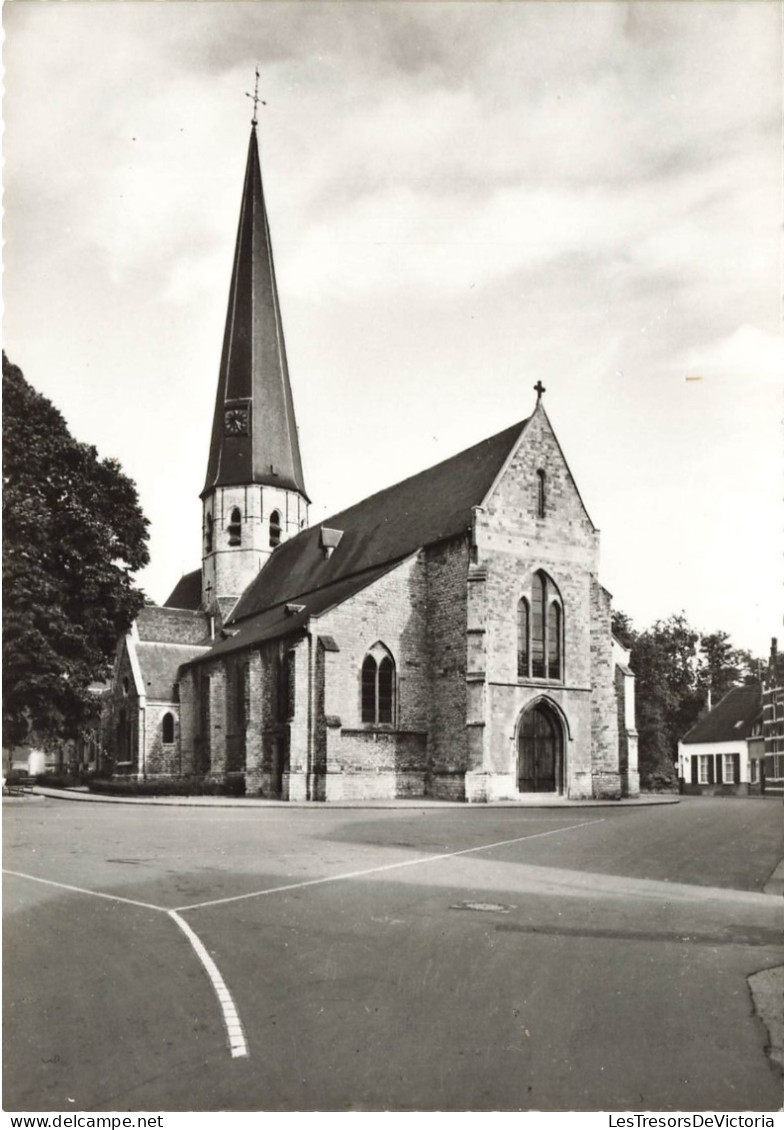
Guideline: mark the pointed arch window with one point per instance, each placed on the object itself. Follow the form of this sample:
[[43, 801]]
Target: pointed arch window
[[523, 630], [538, 602], [540, 631], [274, 528], [554, 641], [235, 527], [208, 534], [378, 687], [541, 494], [167, 729]]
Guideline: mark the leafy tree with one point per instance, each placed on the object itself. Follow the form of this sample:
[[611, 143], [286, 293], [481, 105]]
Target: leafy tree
[[675, 669], [664, 659], [722, 666], [73, 534]]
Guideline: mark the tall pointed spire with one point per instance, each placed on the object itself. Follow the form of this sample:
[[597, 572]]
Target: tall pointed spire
[[254, 431]]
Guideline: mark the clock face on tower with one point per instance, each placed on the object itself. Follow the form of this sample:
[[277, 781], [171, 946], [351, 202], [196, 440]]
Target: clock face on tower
[[236, 420]]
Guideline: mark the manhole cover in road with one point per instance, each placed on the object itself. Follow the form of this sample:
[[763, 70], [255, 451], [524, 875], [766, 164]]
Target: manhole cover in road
[[492, 907]]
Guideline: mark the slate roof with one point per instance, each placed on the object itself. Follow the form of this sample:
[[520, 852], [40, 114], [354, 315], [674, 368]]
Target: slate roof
[[276, 621], [260, 443], [427, 508], [186, 593], [732, 718], [172, 625], [160, 664]]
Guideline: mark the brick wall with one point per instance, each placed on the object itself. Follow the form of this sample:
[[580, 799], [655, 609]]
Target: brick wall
[[392, 612], [447, 624], [604, 707]]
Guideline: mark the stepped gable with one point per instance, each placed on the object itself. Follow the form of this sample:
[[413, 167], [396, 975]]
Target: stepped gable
[[424, 509], [732, 718]]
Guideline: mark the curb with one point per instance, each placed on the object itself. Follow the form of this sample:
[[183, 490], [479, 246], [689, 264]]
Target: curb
[[414, 803]]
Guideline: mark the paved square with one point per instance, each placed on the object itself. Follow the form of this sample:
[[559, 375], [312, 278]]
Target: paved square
[[450, 958]]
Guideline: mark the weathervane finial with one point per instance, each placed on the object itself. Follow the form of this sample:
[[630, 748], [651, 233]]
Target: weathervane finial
[[255, 96], [539, 389]]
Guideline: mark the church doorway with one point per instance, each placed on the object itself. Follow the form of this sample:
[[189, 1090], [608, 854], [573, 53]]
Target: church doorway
[[540, 750]]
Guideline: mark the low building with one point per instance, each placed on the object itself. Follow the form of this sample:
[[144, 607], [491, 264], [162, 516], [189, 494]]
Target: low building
[[720, 753]]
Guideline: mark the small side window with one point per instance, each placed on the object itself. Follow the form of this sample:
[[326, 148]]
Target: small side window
[[167, 729], [541, 494]]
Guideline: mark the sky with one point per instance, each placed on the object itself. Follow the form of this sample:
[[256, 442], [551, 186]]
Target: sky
[[464, 199]]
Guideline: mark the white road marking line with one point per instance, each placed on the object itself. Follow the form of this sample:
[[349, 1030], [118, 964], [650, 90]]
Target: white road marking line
[[83, 890], [234, 1031], [231, 1020], [385, 867]]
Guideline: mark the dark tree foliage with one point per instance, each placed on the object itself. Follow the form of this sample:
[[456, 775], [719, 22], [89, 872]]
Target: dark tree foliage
[[675, 669], [73, 534]]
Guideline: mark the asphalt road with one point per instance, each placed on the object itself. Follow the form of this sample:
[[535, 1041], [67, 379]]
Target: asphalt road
[[592, 959]]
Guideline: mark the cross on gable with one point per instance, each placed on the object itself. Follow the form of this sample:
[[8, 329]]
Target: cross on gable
[[539, 389]]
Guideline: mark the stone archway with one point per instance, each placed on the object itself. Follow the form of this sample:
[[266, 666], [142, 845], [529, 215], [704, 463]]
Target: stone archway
[[540, 750]]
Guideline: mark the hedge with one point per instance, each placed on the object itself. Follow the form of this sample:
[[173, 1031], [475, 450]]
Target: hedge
[[183, 786]]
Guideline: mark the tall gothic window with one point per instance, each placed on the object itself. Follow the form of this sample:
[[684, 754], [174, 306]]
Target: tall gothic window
[[540, 631], [541, 499], [235, 527], [554, 641], [538, 602], [378, 686], [523, 628], [208, 534], [274, 528], [286, 685]]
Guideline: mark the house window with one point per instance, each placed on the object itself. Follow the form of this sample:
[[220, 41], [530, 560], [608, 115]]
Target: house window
[[704, 766], [541, 500], [208, 534], [730, 768], [274, 528], [523, 627], [378, 687], [235, 527], [167, 729]]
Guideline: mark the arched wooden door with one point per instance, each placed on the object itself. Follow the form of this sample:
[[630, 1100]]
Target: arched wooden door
[[540, 751]]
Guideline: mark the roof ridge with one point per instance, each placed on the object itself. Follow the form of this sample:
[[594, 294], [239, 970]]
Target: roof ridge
[[409, 478]]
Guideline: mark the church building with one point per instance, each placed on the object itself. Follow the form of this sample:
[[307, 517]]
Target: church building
[[446, 637]]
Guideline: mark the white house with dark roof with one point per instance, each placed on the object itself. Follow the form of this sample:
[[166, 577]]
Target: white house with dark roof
[[447, 636], [722, 752]]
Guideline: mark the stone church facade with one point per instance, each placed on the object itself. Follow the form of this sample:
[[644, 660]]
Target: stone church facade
[[446, 637]]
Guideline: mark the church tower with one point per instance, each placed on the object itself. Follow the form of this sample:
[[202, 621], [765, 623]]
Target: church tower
[[254, 495]]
